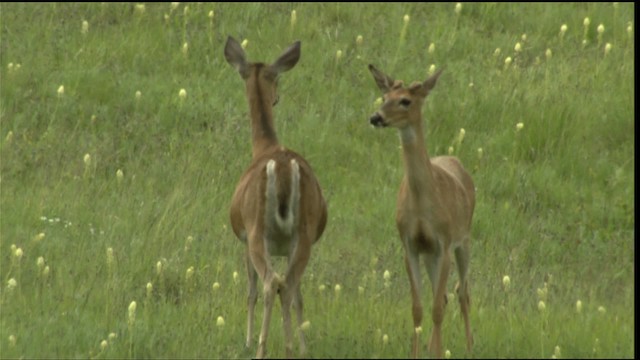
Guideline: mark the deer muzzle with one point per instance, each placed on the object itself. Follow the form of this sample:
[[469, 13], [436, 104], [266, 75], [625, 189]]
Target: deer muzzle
[[377, 120]]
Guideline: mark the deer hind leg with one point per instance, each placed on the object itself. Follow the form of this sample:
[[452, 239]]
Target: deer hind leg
[[462, 288], [298, 305], [412, 263], [270, 280], [252, 298], [291, 292], [438, 268]]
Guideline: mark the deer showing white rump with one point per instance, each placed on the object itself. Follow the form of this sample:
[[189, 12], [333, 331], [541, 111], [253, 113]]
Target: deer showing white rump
[[434, 209], [277, 208]]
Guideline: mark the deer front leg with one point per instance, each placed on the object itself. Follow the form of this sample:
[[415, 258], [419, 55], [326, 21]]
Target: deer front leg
[[411, 261], [252, 297], [439, 303], [462, 289]]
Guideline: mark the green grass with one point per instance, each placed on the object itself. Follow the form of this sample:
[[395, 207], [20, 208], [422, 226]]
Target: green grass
[[554, 200]]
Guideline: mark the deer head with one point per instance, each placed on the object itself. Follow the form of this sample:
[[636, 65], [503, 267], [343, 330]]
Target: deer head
[[400, 105]]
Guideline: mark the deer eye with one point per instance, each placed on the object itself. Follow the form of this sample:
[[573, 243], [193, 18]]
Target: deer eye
[[405, 102]]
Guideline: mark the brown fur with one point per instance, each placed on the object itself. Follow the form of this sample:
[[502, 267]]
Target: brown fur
[[253, 220], [434, 209]]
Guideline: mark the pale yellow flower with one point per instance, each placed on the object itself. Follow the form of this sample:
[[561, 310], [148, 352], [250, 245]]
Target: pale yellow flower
[[149, 289], [518, 47], [556, 352], [140, 8], [563, 29], [321, 288], [497, 52], [87, 159], [519, 126], [578, 306], [541, 306], [432, 69], [11, 284], [359, 40], [458, 8], [132, 312], [305, 326], [12, 340], [480, 153], [215, 286], [418, 330], [112, 336], [185, 49], [607, 48], [447, 354], [506, 281], [61, 91], [548, 54], [432, 48], [220, 321], [385, 339], [244, 43], [189, 273], [450, 150], [104, 344], [461, 136], [40, 263], [338, 55], [18, 253], [182, 94], [602, 310], [119, 175], [235, 277], [386, 275], [294, 18], [338, 288], [159, 267], [586, 22], [211, 14], [406, 19], [85, 27], [507, 61]]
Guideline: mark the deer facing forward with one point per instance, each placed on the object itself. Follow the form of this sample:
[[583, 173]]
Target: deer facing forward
[[434, 208], [277, 208]]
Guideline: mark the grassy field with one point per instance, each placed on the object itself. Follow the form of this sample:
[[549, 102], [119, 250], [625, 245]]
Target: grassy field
[[115, 188]]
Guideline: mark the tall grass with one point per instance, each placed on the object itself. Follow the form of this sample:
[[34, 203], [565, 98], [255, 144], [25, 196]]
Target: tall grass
[[117, 179]]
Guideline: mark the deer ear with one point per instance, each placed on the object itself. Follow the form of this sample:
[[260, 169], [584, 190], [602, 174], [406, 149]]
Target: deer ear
[[430, 83], [235, 56], [384, 82], [288, 59]]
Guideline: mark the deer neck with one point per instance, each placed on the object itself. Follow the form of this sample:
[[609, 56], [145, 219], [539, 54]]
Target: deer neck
[[417, 166], [263, 133]]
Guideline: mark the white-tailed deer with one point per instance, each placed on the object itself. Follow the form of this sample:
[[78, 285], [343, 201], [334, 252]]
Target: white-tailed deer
[[434, 208], [277, 208]]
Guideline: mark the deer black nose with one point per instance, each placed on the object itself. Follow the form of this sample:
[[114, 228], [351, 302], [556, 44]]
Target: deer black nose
[[377, 120]]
